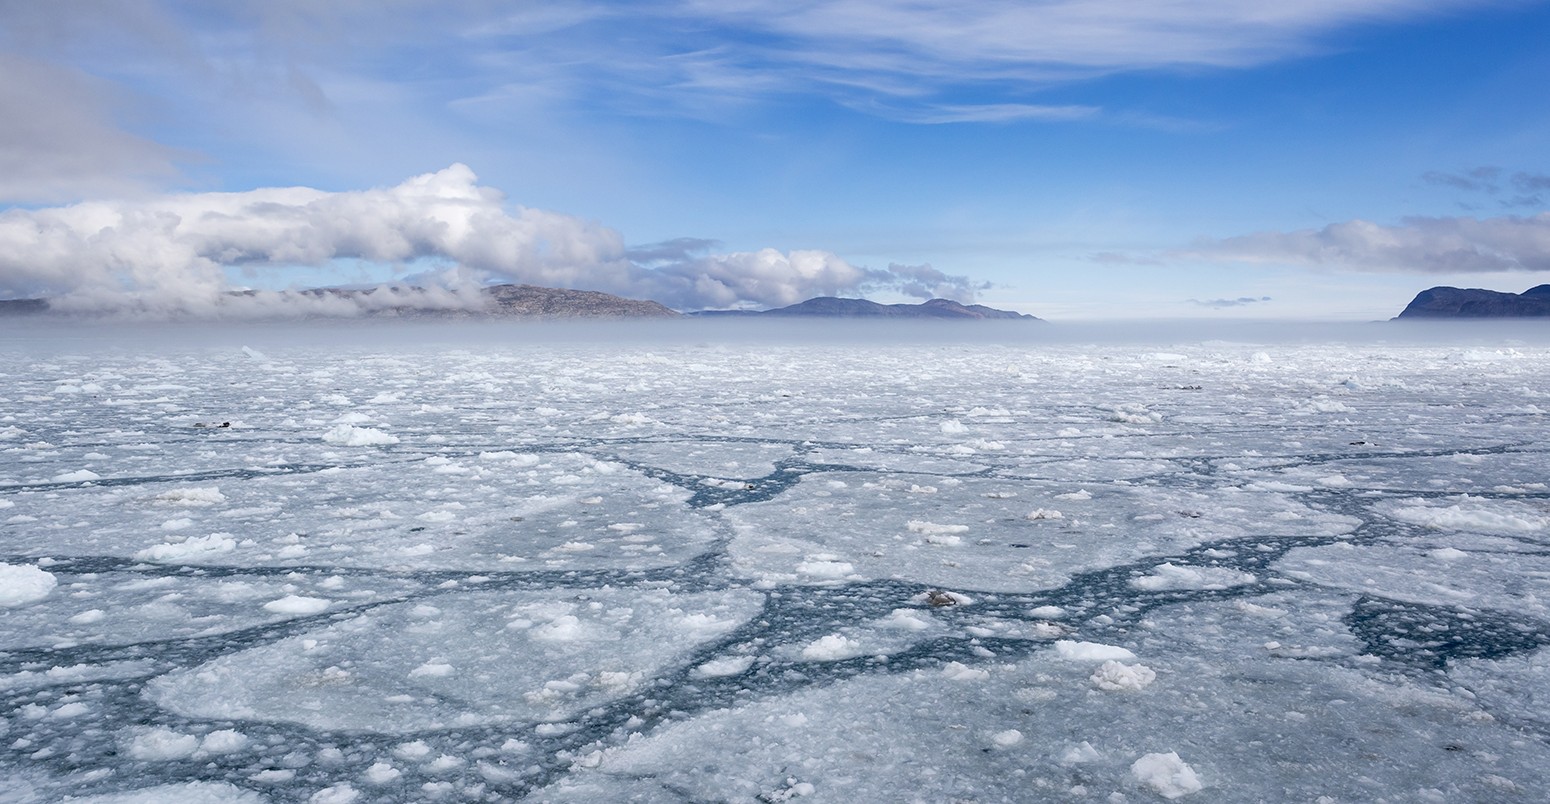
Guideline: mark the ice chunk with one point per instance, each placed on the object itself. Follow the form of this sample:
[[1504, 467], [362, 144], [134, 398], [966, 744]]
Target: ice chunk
[[1173, 576], [826, 569], [958, 671], [1113, 676], [297, 604], [1072, 650], [832, 648], [191, 496], [1475, 516], [78, 476], [191, 549], [1007, 739], [223, 741], [161, 744], [930, 529], [381, 773], [347, 435], [342, 793], [23, 584], [1080, 753], [1166, 774], [729, 666]]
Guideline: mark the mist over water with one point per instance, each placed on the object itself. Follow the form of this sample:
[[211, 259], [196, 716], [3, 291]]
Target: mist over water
[[52, 334]]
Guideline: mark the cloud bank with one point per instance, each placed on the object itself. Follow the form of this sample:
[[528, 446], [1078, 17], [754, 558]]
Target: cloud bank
[[171, 253], [1415, 245]]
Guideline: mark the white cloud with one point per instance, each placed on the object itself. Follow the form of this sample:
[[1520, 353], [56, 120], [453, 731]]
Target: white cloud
[[171, 252], [997, 37], [1415, 245]]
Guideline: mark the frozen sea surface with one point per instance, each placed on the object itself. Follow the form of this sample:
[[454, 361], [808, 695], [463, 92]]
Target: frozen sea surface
[[707, 563]]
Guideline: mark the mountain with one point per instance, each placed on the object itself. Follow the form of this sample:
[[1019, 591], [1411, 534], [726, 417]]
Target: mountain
[[503, 301], [1446, 302], [831, 307], [534, 301]]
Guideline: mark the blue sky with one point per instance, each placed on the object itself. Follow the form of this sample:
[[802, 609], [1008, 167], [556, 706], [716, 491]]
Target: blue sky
[[1071, 159]]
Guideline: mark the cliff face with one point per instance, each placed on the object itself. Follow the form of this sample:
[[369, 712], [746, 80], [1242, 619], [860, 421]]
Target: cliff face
[[1446, 302]]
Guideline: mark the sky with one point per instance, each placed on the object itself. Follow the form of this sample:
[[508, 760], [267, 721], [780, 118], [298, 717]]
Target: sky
[[1073, 159]]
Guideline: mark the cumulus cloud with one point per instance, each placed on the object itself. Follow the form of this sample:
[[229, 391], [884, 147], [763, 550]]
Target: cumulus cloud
[[1422, 245], [173, 252]]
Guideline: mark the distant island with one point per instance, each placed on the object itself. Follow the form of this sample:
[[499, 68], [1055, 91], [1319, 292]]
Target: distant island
[[832, 307], [1446, 302], [518, 301]]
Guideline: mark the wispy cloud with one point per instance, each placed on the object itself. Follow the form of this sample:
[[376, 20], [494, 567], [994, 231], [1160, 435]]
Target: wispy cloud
[[906, 60], [1419, 245], [1241, 301], [172, 252], [1528, 188], [936, 114]]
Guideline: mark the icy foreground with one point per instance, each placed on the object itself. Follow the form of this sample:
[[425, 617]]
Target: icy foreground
[[682, 570]]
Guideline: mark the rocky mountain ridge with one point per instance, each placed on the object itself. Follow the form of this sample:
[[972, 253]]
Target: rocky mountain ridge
[[833, 307], [1450, 302]]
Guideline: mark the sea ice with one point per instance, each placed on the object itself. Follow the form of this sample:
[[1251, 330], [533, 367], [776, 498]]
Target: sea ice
[[1167, 775], [20, 585], [538, 566]]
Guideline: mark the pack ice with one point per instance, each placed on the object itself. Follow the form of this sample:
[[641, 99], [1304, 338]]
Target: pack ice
[[503, 563]]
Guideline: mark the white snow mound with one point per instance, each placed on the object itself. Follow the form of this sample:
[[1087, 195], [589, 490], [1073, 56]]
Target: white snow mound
[[1116, 676], [346, 435], [20, 585], [1166, 774], [1175, 576], [1072, 650]]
